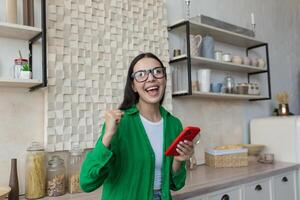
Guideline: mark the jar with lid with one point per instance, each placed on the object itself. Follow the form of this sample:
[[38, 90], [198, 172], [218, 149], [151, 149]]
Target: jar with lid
[[75, 161], [229, 84], [56, 176], [17, 68], [35, 172]]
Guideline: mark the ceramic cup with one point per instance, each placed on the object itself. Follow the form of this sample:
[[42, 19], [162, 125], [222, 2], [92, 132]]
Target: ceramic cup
[[226, 57], [218, 55], [216, 87], [261, 63], [246, 61], [237, 60]]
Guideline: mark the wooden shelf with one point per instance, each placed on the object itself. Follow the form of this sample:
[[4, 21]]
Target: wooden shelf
[[218, 34], [18, 31], [220, 95], [19, 83], [217, 65]]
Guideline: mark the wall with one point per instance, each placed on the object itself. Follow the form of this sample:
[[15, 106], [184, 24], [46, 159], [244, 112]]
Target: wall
[[90, 46], [227, 121]]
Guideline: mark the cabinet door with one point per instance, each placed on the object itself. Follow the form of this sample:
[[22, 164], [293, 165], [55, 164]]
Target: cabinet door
[[260, 190], [228, 194], [285, 186]]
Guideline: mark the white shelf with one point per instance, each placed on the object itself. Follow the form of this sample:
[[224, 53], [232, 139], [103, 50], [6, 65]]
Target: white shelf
[[221, 95], [217, 65], [219, 34], [18, 31], [19, 83]]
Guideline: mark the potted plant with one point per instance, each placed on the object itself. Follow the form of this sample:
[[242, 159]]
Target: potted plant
[[25, 72]]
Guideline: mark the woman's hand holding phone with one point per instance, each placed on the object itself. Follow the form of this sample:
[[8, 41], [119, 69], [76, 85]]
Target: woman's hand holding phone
[[185, 150], [112, 119]]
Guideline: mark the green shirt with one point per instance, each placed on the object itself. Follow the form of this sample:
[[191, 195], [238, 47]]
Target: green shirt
[[126, 168]]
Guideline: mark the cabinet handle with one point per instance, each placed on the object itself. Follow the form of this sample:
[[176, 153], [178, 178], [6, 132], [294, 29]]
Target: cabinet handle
[[225, 197], [284, 179], [258, 188]]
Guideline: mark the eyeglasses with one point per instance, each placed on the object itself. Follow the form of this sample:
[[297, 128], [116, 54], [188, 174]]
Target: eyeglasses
[[142, 75]]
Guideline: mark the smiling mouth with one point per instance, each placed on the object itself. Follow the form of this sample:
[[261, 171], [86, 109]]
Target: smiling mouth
[[152, 90]]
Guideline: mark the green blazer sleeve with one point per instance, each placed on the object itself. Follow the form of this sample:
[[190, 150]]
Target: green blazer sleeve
[[96, 166], [178, 178]]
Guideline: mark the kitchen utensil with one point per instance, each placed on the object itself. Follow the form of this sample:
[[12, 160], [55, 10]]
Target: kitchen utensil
[[237, 60], [218, 55], [204, 80], [246, 61], [226, 57], [261, 63], [4, 190], [208, 47], [215, 87], [242, 88], [253, 62], [229, 84], [266, 158], [176, 52], [195, 42]]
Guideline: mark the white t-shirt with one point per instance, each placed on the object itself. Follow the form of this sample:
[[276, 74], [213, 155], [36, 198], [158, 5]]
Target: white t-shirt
[[154, 131]]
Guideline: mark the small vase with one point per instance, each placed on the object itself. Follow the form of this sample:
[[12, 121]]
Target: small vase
[[13, 181], [25, 75]]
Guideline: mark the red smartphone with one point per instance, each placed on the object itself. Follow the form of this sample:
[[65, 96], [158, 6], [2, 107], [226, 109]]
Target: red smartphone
[[189, 133]]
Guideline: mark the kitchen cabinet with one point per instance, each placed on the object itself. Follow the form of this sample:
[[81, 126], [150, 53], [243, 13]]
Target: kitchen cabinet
[[277, 187], [182, 65], [258, 190], [32, 35], [285, 186]]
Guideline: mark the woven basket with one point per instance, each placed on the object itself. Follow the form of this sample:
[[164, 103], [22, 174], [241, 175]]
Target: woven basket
[[229, 160]]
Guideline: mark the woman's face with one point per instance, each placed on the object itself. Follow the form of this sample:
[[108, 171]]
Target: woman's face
[[149, 87]]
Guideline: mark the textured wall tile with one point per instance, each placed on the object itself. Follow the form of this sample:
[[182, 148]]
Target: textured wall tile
[[90, 47]]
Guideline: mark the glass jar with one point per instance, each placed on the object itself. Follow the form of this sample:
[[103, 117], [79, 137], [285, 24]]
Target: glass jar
[[56, 177], [17, 68], [229, 84], [75, 161], [35, 175]]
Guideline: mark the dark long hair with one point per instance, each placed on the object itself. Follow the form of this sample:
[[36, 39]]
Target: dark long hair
[[130, 97]]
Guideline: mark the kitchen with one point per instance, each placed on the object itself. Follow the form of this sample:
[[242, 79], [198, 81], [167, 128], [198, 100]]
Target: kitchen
[[100, 55]]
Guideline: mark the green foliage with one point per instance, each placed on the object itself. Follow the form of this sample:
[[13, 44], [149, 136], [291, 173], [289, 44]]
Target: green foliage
[[26, 67]]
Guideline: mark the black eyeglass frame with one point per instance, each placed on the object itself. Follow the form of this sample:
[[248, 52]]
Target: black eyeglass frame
[[148, 72]]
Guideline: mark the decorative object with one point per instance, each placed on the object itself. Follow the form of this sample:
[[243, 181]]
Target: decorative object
[[253, 62], [266, 158], [204, 80], [35, 172], [237, 60], [25, 72], [283, 107], [176, 52], [242, 88], [252, 22], [4, 192], [246, 61], [11, 11], [223, 25], [208, 47], [195, 42], [261, 63], [187, 11], [13, 181], [253, 149], [218, 55], [28, 12]]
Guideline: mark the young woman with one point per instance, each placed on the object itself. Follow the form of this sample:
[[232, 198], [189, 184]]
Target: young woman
[[129, 156]]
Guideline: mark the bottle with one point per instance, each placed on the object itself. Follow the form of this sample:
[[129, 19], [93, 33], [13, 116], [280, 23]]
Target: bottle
[[35, 175], [75, 161], [13, 181], [56, 176]]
